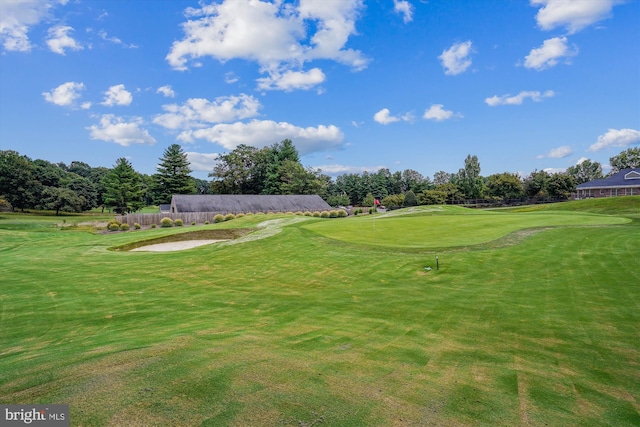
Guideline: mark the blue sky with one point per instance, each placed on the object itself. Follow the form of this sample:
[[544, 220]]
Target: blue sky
[[357, 85]]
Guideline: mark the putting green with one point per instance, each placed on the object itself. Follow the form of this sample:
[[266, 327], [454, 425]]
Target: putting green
[[448, 228]]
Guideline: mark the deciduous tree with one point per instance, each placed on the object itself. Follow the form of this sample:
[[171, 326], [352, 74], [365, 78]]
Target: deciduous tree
[[585, 171], [629, 158], [505, 185]]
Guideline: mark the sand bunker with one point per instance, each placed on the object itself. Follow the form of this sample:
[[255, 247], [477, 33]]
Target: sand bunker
[[175, 246], [182, 241]]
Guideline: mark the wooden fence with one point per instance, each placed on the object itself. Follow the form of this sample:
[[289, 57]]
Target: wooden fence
[[186, 217]]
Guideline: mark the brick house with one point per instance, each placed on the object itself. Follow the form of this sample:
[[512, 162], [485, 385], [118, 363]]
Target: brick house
[[624, 183]]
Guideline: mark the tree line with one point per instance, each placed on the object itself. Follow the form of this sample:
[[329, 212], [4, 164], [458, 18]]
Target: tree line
[[276, 169]]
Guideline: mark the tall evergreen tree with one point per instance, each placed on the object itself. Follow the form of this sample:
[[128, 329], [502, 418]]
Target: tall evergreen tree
[[173, 175], [123, 188]]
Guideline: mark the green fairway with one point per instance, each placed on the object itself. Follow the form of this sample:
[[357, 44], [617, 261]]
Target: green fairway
[[331, 321]]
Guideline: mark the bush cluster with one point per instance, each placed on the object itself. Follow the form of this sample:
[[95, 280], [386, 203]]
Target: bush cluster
[[218, 218], [124, 226], [342, 213], [229, 217], [316, 214], [324, 214], [333, 213], [136, 226], [307, 213], [178, 222], [166, 222], [113, 225]]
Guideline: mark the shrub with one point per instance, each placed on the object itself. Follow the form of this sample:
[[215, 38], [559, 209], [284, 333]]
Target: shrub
[[316, 214], [206, 223], [324, 214], [240, 215], [299, 213], [342, 213], [333, 213], [307, 213], [288, 213], [218, 218], [178, 222], [166, 222], [124, 227], [113, 226], [136, 226], [372, 210], [249, 213], [153, 226], [193, 223], [229, 217]]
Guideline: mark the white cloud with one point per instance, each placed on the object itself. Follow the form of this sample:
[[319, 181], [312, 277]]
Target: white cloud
[[384, 117], [167, 91], [230, 77], [616, 138], [200, 112], [116, 129], [18, 16], [117, 95], [438, 113], [404, 8], [518, 99], [202, 161], [574, 15], [65, 95], [273, 34], [290, 80], [261, 133], [335, 169], [553, 171], [548, 55], [58, 40], [455, 60], [104, 36], [557, 153]]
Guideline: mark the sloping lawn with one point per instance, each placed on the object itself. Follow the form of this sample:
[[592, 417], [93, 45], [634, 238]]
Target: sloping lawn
[[316, 325]]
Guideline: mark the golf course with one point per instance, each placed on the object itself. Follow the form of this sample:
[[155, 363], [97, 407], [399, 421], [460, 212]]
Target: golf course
[[423, 316]]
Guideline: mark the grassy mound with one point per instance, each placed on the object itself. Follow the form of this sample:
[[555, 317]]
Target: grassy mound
[[448, 227]]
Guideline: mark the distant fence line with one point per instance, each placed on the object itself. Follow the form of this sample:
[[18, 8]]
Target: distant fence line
[[186, 217]]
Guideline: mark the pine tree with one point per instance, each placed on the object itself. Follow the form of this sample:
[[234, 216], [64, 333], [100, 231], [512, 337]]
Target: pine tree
[[123, 188], [173, 175]]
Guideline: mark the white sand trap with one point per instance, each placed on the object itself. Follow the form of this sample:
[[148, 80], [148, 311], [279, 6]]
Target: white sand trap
[[175, 246]]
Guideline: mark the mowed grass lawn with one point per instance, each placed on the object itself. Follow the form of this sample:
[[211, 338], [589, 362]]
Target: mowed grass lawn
[[532, 319]]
